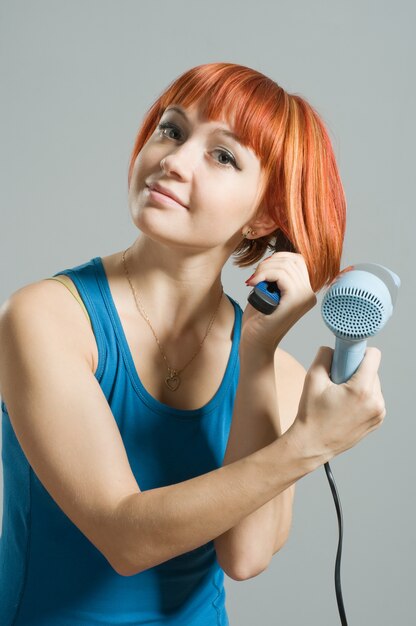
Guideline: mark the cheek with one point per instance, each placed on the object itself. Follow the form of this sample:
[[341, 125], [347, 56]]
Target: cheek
[[241, 201], [136, 167], [222, 209], [141, 171], [216, 200]]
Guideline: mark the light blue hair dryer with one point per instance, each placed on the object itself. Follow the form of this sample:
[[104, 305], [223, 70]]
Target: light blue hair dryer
[[356, 306]]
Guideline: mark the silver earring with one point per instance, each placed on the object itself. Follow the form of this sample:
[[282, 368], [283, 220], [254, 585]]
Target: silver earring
[[253, 232]]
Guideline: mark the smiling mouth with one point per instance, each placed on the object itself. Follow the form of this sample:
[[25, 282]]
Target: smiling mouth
[[163, 198]]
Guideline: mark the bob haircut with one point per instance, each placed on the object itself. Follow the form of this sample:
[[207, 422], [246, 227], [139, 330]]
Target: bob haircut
[[303, 192]]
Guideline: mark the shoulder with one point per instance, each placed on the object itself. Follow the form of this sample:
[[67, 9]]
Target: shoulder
[[44, 295], [42, 304], [31, 297]]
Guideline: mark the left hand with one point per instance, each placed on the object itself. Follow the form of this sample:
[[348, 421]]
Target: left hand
[[289, 271]]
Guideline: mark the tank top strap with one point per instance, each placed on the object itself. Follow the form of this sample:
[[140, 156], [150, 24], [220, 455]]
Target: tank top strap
[[87, 292], [65, 280]]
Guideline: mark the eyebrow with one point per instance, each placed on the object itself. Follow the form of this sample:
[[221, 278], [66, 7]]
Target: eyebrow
[[223, 131]]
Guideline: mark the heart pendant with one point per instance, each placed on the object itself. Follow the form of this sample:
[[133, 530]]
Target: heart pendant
[[172, 382]]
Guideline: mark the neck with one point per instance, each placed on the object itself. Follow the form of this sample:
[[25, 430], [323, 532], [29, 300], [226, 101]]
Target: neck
[[178, 289]]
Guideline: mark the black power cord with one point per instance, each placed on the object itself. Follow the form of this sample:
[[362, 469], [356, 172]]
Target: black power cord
[[337, 501]]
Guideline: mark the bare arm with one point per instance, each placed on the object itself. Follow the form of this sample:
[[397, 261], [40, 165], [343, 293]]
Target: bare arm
[[160, 524], [330, 419], [55, 404], [265, 407]]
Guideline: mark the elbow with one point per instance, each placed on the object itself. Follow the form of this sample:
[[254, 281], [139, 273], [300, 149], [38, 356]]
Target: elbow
[[128, 568], [240, 574], [121, 567], [246, 571], [240, 568], [125, 571], [118, 550], [243, 571]]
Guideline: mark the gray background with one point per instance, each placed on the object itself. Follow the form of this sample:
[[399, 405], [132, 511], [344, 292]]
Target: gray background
[[76, 79]]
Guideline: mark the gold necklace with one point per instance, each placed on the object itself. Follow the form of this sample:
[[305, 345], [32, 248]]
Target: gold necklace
[[173, 380]]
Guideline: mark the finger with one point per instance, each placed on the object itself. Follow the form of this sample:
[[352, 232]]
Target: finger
[[283, 256], [377, 385], [366, 373], [378, 392], [295, 261], [321, 365], [281, 275], [271, 271]]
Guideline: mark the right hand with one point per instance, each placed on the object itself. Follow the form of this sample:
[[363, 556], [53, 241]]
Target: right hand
[[334, 417]]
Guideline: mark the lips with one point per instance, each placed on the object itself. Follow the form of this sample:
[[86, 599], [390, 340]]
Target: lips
[[166, 192]]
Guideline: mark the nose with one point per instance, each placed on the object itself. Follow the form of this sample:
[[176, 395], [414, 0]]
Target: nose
[[180, 162]]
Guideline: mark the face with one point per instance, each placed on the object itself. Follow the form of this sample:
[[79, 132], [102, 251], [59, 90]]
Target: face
[[217, 181]]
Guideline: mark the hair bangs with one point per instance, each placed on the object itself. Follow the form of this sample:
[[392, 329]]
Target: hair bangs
[[252, 104]]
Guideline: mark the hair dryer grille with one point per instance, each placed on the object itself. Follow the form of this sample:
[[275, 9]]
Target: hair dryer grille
[[353, 313], [356, 306]]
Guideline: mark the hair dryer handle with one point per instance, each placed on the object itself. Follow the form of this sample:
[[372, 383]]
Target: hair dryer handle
[[346, 359]]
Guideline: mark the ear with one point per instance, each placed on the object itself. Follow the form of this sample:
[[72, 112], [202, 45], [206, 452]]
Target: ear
[[264, 223]]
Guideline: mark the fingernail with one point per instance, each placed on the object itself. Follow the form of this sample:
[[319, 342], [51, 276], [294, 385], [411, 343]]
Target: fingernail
[[248, 279]]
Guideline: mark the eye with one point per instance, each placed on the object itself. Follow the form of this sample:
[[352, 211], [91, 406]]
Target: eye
[[165, 126], [229, 156]]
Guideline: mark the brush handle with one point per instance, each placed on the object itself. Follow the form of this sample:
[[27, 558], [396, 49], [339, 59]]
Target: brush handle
[[265, 297]]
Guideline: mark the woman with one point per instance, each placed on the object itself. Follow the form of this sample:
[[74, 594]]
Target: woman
[[153, 435]]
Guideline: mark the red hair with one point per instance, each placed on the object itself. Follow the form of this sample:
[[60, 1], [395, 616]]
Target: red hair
[[303, 191]]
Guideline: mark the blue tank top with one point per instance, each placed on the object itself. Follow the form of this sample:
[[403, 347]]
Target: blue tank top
[[50, 573]]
